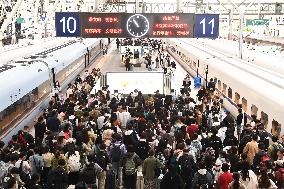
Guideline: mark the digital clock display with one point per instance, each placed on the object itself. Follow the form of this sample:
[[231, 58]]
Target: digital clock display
[[116, 25]]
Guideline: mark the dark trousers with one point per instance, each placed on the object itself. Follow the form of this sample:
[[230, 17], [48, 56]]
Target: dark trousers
[[73, 178], [44, 174], [130, 181]]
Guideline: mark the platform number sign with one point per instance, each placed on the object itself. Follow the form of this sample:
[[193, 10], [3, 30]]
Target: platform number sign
[[206, 25], [67, 24]]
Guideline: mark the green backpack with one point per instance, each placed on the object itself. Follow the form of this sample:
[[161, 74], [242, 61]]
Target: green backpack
[[130, 166]]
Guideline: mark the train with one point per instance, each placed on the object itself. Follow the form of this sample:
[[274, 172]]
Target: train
[[254, 54], [27, 82], [256, 90]]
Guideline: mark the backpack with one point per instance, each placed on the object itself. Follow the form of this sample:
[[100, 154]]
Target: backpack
[[89, 174], [101, 159], [57, 177], [202, 181], [196, 145], [24, 176], [275, 149], [4, 171], [130, 166], [116, 153], [186, 169]]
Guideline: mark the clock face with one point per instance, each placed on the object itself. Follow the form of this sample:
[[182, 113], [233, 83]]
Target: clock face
[[137, 25]]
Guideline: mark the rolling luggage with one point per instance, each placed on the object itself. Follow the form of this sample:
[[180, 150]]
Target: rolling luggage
[[110, 180]]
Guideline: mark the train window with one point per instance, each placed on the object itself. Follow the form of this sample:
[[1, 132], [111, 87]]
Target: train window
[[219, 85], [237, 98], [276, 128], [244, 104], [224, 89], [230, 93], [254, 110], [264, 119]]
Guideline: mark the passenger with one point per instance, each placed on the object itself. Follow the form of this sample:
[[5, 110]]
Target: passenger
[[58, 177], [274, 147], [172, 179], [236, 184], [130, 163], [248, 177], [265, 182], [40, 129], [28, 137], [124, 117], [225, 178], [116, 153], [149, 170], [202, 179], [251, 148], [36, 162], [187, 166], [90, 173], [53, 123]]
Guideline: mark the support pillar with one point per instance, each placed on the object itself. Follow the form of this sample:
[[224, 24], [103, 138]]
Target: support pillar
[[242, 16], [231, 17]]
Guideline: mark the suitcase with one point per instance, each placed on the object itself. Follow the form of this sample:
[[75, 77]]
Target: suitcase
[[110, 180]]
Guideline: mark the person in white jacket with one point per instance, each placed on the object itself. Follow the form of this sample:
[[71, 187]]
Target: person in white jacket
[[124, 117], [265, 182], [248, 178]]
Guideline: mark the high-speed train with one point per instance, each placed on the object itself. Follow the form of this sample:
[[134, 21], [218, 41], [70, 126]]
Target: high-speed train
[[251, 53], [259, 91], [26, 82]]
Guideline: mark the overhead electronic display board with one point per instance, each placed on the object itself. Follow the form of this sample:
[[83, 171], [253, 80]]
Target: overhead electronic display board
[[152, 25]]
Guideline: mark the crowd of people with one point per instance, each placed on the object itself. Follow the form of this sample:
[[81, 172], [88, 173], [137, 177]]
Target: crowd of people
[[154, 58], [140, 141]]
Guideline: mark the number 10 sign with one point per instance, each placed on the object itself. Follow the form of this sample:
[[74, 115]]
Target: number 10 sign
[[206, 25], [67, 24]]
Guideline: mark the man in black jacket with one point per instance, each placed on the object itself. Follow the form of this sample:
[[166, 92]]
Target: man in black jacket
[[240, 118], [187, 168], [53, 123], [40, 129]]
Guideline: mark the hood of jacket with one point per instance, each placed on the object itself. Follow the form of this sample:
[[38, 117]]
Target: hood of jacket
[[202, 171], [128, 132]]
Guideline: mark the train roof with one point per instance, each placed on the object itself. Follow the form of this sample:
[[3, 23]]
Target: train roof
[[18, 77]]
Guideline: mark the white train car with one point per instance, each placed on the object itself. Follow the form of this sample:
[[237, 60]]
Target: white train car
[[252, 53], [25, 84], [10, 52], [258, 91]]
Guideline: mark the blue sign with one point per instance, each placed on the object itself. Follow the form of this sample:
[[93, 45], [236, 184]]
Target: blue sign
[[197, 82], [67, 24], [206, 25]]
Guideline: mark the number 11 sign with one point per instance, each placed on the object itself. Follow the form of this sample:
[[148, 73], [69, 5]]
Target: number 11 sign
[[206, 26]]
